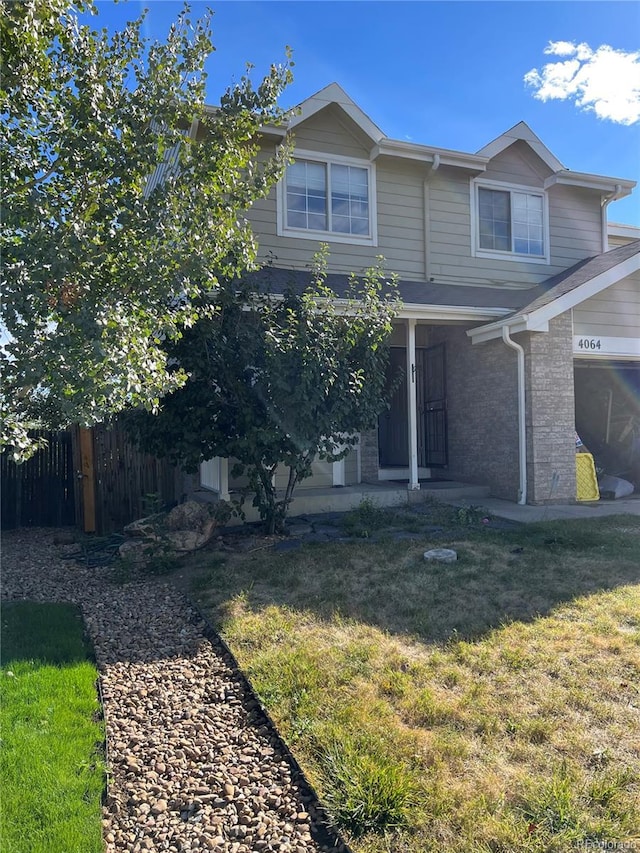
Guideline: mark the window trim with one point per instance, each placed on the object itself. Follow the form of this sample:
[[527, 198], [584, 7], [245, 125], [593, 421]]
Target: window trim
[[283, 230], [496, 254]]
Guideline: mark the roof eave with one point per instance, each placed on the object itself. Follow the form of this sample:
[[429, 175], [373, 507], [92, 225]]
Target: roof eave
[[427, 154], [604, 184], [538, 320], [418, 311]]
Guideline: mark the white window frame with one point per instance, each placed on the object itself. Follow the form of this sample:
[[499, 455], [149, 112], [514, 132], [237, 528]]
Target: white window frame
[[283, 230], [497, 254]]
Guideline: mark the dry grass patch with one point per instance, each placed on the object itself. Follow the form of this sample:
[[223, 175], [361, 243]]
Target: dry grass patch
[[488, 705]]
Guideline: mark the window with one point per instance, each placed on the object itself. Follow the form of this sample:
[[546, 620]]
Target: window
[[510, 221], [328, 197]]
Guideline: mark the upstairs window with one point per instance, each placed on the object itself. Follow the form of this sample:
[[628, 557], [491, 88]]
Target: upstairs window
[[511, 221], [328, 197]]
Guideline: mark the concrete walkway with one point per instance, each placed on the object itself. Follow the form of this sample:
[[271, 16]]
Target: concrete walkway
[[595, 509]]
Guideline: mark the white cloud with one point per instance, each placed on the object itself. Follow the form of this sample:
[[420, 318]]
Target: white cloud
[[605, 80]]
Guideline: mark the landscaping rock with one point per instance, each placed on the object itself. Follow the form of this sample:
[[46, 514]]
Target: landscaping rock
[[299, 529], [144, 528], [136, 551], [187, 527], [441, 555], [193, 763]]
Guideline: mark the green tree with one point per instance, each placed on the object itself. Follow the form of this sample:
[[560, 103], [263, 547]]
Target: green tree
[[101, 266], [278, 380]]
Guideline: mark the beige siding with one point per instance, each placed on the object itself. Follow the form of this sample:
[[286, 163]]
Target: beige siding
[[574, 217], [400, 209], [574, 224], [518, 164], [332, 132], [351, 468], [321, 477], [613, 313]]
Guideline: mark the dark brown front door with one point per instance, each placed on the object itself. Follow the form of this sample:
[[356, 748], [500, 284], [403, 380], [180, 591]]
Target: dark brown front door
[[393, 439], [393, 442]]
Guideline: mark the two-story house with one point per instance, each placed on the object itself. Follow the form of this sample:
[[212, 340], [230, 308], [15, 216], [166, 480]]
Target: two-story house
[[510, 295]]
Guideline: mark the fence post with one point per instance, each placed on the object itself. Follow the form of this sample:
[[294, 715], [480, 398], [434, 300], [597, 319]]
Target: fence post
[[88, 480]]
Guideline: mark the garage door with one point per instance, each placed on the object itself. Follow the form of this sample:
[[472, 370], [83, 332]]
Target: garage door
[[607, 400]]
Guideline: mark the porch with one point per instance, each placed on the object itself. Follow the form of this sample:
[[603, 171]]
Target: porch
[[384, 494]]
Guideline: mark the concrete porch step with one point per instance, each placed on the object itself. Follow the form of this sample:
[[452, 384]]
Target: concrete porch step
[[383, 494], [451, 490]]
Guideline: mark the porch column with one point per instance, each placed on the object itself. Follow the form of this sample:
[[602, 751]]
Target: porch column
[[412, 407], [223, 481], [338, 470]]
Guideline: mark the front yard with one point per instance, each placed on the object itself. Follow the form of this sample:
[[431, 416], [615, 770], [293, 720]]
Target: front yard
[[492, 704]]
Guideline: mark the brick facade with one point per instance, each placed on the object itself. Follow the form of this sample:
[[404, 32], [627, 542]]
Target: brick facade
[[481, 411], [550, 412], [369, 459]]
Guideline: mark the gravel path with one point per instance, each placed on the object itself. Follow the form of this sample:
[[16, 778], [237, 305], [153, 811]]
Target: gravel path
[[194, 764]]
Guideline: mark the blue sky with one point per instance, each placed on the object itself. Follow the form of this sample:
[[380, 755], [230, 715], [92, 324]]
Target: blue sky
[[448, 74]]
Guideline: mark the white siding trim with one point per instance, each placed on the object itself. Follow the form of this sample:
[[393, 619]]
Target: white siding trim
[[335, 94], [521, 131], [592, 182]]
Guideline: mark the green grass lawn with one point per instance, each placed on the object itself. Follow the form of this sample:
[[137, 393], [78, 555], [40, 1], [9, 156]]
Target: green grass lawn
[[51, 756], [492, 704]]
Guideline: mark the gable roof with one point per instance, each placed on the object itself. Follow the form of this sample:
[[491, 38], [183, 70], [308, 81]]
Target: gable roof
[[335, 94], [521, 131], [564, 291]]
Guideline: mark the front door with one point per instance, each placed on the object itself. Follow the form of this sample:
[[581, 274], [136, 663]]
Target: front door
[[393, 441], [432, 407]]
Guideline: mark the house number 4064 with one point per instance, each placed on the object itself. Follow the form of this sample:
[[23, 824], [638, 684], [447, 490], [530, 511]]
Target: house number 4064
[[589, 343]]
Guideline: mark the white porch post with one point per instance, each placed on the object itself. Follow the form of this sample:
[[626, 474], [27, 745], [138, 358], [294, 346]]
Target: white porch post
[[223, 482], [412, 406]]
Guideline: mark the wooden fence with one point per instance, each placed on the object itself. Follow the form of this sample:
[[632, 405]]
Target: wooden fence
[[94, 478], [41, 491], [119, 482]]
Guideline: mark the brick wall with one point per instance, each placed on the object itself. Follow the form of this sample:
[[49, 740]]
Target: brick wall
[[369, 456], [481, 411], [550, 412]]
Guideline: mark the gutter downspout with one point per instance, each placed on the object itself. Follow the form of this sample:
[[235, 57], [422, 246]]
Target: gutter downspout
[[604, 204], [522, 429], [427, 215]]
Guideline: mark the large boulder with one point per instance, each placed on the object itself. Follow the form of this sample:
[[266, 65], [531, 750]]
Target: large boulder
[[185, 528], [190, 526], [145, 528]]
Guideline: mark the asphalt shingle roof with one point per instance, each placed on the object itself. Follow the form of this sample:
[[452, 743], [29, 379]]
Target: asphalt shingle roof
[[582, 272], [520, 301]]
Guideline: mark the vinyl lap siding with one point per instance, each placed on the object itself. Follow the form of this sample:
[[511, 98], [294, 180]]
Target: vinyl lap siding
[[400, 212], [321, 477], [574, 218], [331, 133], [518, 164], [574, 225], [613, 313]]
